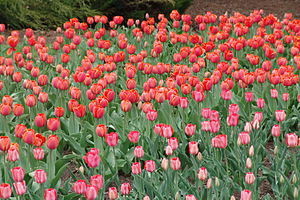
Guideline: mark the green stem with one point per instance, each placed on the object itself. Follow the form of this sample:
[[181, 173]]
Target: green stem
[[51, 165]]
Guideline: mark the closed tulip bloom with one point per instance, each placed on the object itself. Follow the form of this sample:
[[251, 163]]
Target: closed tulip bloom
[[260, 103], [18, 174], [175, 163], [5, 109], [190, 129], [138, 151], [165, 163], [53, 124], [173, 143], [220, 141], [206, 113], [233, 109], [274, 93], [101, 130], [291, 140], [184, 102], [79, 187], [112, 139], [40, 120], [97, 180], [20, 130], [13, 153], [248, 163], [215, 126], [169, 150], [193, 147], [167, 131], [134, 136], [202, 174], [249, 178], [20, 187], [280, 115], [205, 126], [276, 130], [92, 158], [29, 136], [285, 96], [126, 105], [79, 110], [244, 138], [246, 195], [150, 166], [30, 100], [40, 176], [4, 143], [226, 95], [38, 153], [125, 188], [18, 110], [112, 193], [5, 191], [52, 141], [198, 96], [50, 194], [249, 96], [258, 116], [59, 111], [233, 120], [91, 192], [43, 97], [136, 168], [151, 115]]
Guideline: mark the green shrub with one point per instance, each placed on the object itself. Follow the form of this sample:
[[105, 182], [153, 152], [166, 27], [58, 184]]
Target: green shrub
[[45, 14]]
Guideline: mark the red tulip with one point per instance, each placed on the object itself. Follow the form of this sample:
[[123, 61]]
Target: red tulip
[[134, 136], [91, 192], [40, 176], [136, 168], [150, 166], [79, 110], [5, 191], [40, 120], [20, 187], [92, 158], [4, 143], [280, 115], [190, 129], [193, 147], [52, 142], [291, 140], [97, 180], [59, 111], [220, 141], [53, 124], [79, 187], [30, 100], [249, 178], [38, 153], [50, 194], [112, 139], [138, 151], [202, 174], [244, 137], [246, 195], [175, 163], [18, 109], [112, 193]]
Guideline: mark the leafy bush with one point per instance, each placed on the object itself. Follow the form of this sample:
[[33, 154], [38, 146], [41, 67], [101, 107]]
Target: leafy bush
[[39, 14]]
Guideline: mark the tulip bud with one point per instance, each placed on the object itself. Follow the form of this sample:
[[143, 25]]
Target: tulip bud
[[165, 163], [125, 188], [238, 142], [281, 179], [177, 196], [249, 178], [169, 150], [202, 173], [251, 150], [199, 156], [209, 183], [232, 198], [217, 182], [276, 150], [112, 193], [249, 163], [296, 193], [81, 169], [294, 179], [146, 197]]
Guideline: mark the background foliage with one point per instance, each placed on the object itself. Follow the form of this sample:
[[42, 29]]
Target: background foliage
[[45, 14]]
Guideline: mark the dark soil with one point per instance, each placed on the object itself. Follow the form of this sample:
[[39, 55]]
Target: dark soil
[[219, 7]]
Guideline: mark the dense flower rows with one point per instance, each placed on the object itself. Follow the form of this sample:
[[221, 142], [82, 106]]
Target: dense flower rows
[[152, 109]]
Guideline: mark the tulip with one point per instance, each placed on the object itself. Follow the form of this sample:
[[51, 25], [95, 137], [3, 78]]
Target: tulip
[[112, 139], [52, 142], [220, 141], [249, 96], [112, 193], [38, 153], [151, 115], [125, 188], [30, 100], [20, 187], [280, 115], [150, 166], [190, 197], [175, 163], [91, 192], [29, 136], [97, 180], [249, 178], [59, 111], [53, 124], [205, 126], [18, 109], [246, 195], [136, 168], [101, 130], [40, 120], [50, 194], [190, 129], [285, 96], [40, 176], [202, 174], [138, 151], [18, 174], [233, 109], [291, 140], [13, 153], [193, 147], [274, 93], [134, 136], [4, 143], [260, 103], [126, 105], [244, 137], [276, 130], [173, 143], [79, 110], [5, 191], [92, 158], [233, 120]]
